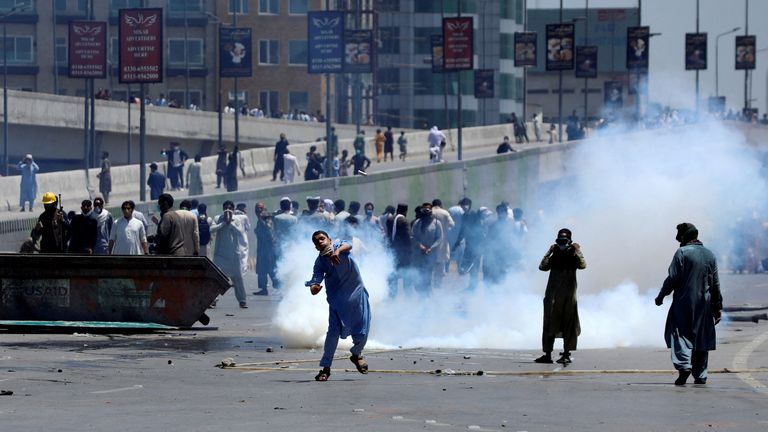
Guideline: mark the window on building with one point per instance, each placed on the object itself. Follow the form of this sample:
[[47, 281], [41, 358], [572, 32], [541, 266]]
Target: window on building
[[61, 51], [298, 7], [242, 96], [10, 4], [63, 5], [519, 11], [176, 52], [19, 49], [116, 5], [195, 97], [389, 5], [81, 5], [269, 52], [390, 40], [389, 81], [60, 5], [506, 86], [114, 51], [298, 100], [447, 6], [177, 7], [268, 101], [297, 52], [507, 46], [269, 7], [508, 9], [519, 91], [239, 7], [422, 39], [427, 83]]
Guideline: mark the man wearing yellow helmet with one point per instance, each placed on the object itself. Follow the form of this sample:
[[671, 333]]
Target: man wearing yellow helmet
[[52, 226]]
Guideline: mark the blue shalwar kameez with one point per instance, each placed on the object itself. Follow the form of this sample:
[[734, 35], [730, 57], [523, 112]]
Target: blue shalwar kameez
[[349, 313]]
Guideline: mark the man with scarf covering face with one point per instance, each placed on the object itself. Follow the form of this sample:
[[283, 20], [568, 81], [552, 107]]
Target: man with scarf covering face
[[561, 314], [348, 310], [696, 305]]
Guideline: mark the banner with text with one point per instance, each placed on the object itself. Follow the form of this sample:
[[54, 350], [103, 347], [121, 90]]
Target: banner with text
[[695, 51], [484, 84], [458, 44], [586, 62], [637, 47], [326, 42], [560, 47], [141, 45], [235, 52], [745, 52], [87, 49], [525, 49], [358, 51]]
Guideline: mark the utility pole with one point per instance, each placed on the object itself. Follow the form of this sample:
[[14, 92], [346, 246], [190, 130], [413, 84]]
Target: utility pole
[[560, 91], [328, 156], [746, 71], [458, 95], [697, 71], [586, 80]]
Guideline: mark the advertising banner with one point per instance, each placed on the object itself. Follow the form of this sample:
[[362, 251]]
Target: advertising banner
[[235, 52], [745, 52], [141, 45], [87, 49], [358, 51], [613, 94], [637, 47], [525, 49], [457, 44], [560, 47], [437, 53], [586, 62], [695, 51], [325, 42], [484, 84]]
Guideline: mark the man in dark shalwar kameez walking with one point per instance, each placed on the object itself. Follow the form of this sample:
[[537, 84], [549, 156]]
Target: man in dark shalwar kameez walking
[[696, 305], [348, 308], [561, 314]]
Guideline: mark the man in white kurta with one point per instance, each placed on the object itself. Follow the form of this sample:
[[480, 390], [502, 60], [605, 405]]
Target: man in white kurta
[[128, 236]]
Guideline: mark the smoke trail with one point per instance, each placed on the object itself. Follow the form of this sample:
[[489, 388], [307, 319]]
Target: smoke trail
[[625, 195]]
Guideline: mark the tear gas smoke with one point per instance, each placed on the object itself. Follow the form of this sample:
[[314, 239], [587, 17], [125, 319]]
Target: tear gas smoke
[[622, 199]]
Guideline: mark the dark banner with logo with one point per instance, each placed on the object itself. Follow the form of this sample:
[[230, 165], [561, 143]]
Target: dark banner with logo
[[637, 47], [695, 51], [484, 83], [745, 52], [613, 94], [457, 44], [586, 62], [87, 49], [358, 51], [525, 49], [235, 52], [560, 47], [325, 42], [141, 45], [437, 53]]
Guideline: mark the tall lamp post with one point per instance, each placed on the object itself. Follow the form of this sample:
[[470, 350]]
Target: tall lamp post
[[717, 58], [215, 19], [4, 17]]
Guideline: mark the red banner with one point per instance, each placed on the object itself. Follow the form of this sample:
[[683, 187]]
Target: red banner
[[87, 49], [457, 44], [141, 45]]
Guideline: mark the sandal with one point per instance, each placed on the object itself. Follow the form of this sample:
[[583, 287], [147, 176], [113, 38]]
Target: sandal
[[360, 364], [323, 375]]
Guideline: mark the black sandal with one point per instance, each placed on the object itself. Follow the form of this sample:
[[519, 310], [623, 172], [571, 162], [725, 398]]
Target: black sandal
[[360, 364], [323, 375]]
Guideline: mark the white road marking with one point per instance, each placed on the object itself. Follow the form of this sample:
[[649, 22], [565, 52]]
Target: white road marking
[[136, 387], [741, 359]]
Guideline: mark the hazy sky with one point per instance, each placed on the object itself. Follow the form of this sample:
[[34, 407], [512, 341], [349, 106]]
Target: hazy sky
[[670, 83]]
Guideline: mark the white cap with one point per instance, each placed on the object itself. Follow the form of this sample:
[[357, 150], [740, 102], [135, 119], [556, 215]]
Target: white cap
[[28, 156]]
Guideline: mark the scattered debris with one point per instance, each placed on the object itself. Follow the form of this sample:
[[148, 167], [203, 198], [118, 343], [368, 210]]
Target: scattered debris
[[170, 362], [279, 408], [466, 357], [269, 349], [227, 362], [358, 410], [6, 393], [480, 373]]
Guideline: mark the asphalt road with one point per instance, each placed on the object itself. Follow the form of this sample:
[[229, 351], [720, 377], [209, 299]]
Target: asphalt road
[[167, 381]]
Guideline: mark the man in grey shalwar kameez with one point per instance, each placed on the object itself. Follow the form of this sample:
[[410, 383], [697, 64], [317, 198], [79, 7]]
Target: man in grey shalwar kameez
[[349, 313], [696, 305], [561, 313], [427, 237], [230, 249]]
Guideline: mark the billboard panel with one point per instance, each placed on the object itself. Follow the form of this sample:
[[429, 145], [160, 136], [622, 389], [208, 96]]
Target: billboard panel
[[560, 47], [525, 49], [745, 52], [437, 53], [141, 45], [637, 47], [358, 51], [586, 62], [235, 52], [87, 49], [695, 51], [325, 42], [457, 44]]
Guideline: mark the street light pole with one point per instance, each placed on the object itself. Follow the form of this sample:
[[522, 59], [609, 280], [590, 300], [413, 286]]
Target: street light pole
[[717, 58], [186, 58], [586, 80], [697, 71], [4, 17], [237, 96], [746, 71], [560, 92]]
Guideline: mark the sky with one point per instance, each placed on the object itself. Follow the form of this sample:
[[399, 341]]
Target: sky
[[670, 83]]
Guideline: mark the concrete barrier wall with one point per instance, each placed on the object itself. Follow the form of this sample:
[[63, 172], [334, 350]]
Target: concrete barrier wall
[[514, 177]]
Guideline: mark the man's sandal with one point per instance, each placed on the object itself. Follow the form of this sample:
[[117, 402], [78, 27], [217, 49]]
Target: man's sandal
[[323, 374], [360, 363]]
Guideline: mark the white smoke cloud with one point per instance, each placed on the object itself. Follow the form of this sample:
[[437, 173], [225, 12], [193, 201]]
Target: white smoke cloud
[[623, 199]]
